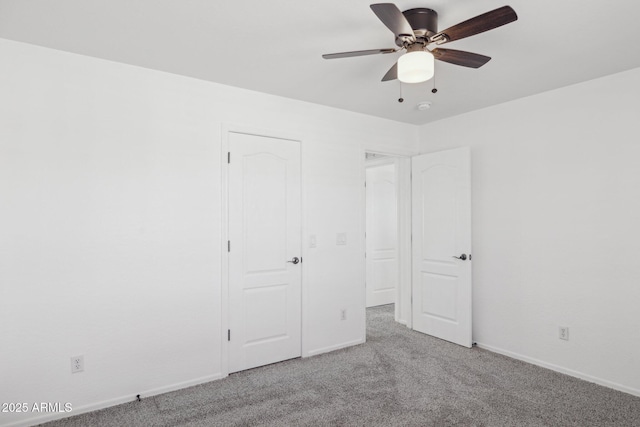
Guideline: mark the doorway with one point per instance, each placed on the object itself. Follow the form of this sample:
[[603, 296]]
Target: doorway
[[388, 233], [433, 294]]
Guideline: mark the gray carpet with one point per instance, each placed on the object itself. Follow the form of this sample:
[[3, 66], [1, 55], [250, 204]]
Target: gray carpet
[[398, 378]]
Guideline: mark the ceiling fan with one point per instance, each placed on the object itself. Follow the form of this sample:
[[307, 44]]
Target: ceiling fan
[[416, 29]]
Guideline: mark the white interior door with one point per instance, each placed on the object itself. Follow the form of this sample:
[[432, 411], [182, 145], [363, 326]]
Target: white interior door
[[264, 237], [382, 235], [441, 216]]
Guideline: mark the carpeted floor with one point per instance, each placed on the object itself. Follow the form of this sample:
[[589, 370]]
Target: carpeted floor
[[398, 378]]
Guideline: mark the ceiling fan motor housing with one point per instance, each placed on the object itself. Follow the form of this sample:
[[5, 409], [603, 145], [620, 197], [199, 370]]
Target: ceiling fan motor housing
[[415, 29], [424, 22]]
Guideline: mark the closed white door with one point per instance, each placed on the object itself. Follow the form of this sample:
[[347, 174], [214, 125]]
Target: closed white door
[[441, 216], [264, 245], [382, 235]]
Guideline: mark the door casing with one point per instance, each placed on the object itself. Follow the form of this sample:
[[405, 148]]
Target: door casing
[[226, 129]]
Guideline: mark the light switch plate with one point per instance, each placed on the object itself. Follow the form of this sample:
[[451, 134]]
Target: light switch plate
[[341, 239], [312, 241]]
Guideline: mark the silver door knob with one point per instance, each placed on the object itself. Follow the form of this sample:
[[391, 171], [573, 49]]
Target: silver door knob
[[463, 257], [294, 260]]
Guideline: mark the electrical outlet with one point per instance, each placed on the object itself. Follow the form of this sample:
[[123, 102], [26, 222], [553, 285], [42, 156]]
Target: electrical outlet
[[343, 314], [563, 333], [77, 364]]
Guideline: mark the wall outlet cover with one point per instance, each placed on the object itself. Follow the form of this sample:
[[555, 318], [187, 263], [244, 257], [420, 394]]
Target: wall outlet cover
[[77, 364], [563, 333]]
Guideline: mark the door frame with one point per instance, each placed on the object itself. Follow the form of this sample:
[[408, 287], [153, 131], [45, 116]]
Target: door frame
[[403, 305], [226, 129]]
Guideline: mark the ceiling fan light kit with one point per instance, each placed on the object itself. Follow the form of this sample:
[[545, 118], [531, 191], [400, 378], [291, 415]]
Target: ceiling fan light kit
[[416, 29], [416, 66]]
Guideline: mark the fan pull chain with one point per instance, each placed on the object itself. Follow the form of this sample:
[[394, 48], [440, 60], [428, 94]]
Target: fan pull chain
[[401, 99], [434, 90]]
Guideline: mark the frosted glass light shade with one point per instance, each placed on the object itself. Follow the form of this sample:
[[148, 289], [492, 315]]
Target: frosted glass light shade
[[415, 67]]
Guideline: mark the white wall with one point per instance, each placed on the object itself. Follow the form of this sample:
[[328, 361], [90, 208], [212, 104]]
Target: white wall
[[556, 224], [110, 231]]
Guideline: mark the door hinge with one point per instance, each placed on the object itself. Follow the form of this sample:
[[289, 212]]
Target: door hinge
[[228, 334], [228, 156], [228, 245]]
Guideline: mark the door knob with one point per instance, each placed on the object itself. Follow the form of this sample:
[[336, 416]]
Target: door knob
[[294, 260], [463, 257]]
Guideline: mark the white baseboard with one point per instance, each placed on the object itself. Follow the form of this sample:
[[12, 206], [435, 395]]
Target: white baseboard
[[562, 370], [113, 402], [333, 348]]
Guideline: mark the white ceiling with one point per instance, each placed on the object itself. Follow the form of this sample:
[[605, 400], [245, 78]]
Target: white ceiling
[[275, 46]]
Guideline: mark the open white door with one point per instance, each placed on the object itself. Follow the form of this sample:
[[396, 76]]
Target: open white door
[[382, 235], [264, 251], [441, 207]]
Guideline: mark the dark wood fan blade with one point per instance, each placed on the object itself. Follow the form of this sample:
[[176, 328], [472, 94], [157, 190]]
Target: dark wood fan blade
[[481, 23], [391, 16], [460, 57], [357, 53], [392, 74]]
